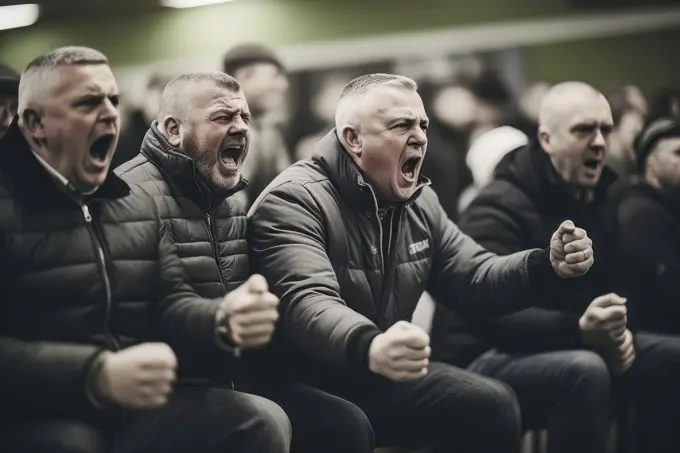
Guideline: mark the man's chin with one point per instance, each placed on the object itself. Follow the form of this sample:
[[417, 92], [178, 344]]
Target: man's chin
[[89, 185]]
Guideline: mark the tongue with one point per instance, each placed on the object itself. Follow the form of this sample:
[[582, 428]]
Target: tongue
[[229, 162]]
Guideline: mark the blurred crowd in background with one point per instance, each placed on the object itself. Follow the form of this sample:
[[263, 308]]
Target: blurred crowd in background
[[478, 113]]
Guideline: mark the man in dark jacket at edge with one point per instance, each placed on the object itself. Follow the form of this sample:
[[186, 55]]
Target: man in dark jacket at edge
[[190, 162], [97, 313], [559, 360], [649, 215], [352, 238]]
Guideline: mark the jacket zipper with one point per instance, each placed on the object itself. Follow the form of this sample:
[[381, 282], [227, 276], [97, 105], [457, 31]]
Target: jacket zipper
[[211, 237], [380, 228], [103, 268]]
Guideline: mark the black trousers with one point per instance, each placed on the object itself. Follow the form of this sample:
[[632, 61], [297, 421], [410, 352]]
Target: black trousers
[[571, 392], [321, 422], [450, 410], [196, 420]]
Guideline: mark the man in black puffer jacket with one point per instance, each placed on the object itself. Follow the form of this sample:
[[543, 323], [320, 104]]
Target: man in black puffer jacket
[[96, 311], [190, 164], [649, 215], [559, 360], [352, 238]]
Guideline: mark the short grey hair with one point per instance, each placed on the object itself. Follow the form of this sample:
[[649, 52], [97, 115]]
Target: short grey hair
[[363, 84], [173, 97], [37, 72], [347, 111]]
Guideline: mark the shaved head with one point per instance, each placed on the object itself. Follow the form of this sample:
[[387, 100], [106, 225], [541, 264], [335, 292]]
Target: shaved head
[[560, 101], [205, 116], [381, 122], [351, 107], [179, 95], [575, 121]]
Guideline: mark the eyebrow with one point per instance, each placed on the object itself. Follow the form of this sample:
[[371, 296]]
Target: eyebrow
[[230, 111], [592, 125], [410, 120]]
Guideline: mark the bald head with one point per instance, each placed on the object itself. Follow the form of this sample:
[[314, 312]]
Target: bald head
[[562, 99], [181, 94], [574, 126]]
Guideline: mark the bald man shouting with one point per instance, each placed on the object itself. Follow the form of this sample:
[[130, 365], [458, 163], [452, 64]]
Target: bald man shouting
[[190, 162], [560, 362]]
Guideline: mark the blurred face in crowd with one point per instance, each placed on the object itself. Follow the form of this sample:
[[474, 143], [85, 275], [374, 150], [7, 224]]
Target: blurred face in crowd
[[456, 107], [265, 86], [530, 101], [389, 142], [629, 127], [663, 166], [574, 131], [74, 125], [8, 109], [214, 133]]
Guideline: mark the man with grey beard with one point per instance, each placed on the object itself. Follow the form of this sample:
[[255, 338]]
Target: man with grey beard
[[190, 163]]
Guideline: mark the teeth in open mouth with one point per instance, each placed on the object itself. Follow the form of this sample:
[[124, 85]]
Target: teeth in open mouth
[[231, 155], [409, 167]]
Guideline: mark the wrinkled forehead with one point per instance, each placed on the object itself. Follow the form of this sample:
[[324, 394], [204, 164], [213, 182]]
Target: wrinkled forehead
[[587, 109], [388, 102], [76, 80], [208, 96]]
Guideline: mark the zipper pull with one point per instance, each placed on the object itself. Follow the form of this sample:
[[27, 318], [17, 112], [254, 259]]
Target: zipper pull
[[86, 214], [209, 219]]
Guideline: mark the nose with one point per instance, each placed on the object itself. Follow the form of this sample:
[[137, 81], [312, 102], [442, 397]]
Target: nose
[[238, 126], [599, 141], [109, 112], [418, 138]]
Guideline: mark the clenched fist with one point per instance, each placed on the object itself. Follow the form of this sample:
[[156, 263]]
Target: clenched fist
[[622, 358], [250, 313], [401, 353], [571, 251], [604, 321], [139, 377]]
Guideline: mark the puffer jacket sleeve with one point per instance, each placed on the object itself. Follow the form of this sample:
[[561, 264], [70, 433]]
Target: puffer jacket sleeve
[[41, 377], [288, 245], [494, 223], [180, 317], [476, 283]]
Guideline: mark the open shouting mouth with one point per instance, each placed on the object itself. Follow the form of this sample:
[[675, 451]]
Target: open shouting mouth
[[409, 168], [99, 150], [232, 155]]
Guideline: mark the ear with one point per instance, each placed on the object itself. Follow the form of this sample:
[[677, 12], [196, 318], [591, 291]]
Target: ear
[[32, 121], [351, 139], [171, 130], [544, 139]]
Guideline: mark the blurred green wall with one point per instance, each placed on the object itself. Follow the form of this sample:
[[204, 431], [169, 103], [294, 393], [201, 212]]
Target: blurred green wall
[[207, 32]]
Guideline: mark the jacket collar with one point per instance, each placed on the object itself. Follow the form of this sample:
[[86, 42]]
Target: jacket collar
[[353, 186], [643, 189], [530, 167], [181, 169], [37, 185]]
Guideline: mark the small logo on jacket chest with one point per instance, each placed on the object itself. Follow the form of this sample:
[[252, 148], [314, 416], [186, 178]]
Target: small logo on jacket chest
[[418, 247]]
